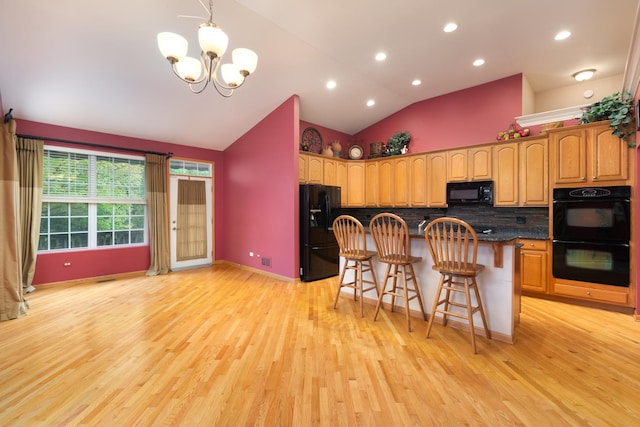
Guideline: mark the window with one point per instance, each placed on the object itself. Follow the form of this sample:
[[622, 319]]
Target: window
[[91, 200], [181, 167]]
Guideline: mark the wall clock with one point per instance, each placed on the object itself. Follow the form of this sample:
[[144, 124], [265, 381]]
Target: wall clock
[[355, 152], [311, 140]]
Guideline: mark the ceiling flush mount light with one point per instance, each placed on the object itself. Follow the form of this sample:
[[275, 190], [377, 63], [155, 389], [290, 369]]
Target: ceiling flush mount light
[[562, 35], [213, 44], [584, 74], [416, 82], [478, 62], [450, 27], [381, 56], [331, 84], [371, 103]]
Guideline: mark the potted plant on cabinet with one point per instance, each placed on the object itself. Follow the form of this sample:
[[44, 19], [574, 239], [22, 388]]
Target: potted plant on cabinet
[[618, 109], [398, 143]]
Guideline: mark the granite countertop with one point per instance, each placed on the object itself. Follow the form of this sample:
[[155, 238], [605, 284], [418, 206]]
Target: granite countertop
[[502, 235]]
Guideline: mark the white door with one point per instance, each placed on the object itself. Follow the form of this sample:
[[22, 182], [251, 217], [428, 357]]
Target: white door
[[191, 222]]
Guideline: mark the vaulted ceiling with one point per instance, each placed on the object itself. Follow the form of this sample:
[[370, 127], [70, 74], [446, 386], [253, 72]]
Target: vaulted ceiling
[[96, 65]]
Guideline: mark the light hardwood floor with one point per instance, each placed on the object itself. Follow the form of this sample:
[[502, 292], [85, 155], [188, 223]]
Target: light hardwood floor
[[225, 346]]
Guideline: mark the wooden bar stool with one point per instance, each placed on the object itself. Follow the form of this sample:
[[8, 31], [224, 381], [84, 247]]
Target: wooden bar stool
[[454, 248], [391, 236], [350, 235]]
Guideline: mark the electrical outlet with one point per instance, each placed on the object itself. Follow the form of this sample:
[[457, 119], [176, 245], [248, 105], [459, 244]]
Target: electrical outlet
[[250, 253]]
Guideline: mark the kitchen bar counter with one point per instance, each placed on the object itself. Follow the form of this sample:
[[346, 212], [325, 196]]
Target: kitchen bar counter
[[500, 294]]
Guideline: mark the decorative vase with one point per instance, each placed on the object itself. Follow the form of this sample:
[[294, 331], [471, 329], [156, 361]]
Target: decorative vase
[[327, 151]]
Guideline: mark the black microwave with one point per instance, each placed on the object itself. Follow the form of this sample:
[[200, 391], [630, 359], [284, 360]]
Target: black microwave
[[466, 193]]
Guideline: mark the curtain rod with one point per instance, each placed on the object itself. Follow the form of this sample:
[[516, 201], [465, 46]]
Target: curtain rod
[[90, 144]]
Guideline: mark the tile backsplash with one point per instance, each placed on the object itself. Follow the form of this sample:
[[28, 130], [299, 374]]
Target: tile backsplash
[[478, 215]]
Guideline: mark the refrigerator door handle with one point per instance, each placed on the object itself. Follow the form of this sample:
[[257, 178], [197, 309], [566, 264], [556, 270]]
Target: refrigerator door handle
[[326, 207]]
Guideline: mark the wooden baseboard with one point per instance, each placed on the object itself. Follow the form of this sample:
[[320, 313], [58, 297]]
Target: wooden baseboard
[[95, 279], [256, 270]]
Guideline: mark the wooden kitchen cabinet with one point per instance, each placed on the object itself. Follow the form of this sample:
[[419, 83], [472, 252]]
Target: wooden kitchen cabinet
[[473, 164], [329, 172], [437, 179], [315, 170], [401, 178], [480, 160], [457, 165], [342, 181], [303, 168], [588, 154], [355, 183], [418, 180], [534, 173], [386, 169], [534, 259], [505, 174], [371, 181]]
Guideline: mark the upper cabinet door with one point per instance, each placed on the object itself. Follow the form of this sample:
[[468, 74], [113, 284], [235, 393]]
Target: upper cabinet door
[[534, 173], [570, 156], [457, 165], [608, 154], [505, 174], [480, 163], [418, 180], [385, 182], [437, 180]]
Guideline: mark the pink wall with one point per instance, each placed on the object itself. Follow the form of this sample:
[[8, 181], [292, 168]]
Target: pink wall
[[261, 184], [466, 117], [636, 231], [50, 267], [329, 135]]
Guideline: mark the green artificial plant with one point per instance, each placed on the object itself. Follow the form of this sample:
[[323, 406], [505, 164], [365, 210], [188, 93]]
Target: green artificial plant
[[618, 108], [397, 142]]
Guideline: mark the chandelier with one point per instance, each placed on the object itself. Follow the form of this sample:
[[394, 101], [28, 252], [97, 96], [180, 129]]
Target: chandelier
[[213, 44]]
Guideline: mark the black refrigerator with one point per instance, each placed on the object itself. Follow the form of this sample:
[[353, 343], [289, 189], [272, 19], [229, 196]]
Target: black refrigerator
[[319, 252]]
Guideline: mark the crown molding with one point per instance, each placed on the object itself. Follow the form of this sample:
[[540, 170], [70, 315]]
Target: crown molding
[[561, 114], [631, 78]]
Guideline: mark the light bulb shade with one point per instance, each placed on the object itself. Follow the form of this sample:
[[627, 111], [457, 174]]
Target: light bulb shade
[[231, 75], [245, 59], [584, 75], [172, 45], [212, 39], [189, 68]]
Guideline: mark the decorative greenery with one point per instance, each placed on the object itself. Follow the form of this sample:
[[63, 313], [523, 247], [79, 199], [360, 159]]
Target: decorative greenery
[[619, 110], [397, 142]]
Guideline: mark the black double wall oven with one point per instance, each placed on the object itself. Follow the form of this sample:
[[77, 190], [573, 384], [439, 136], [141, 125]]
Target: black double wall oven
[[591, 234]]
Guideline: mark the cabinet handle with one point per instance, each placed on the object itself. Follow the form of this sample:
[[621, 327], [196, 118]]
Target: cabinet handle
[[589, 293]]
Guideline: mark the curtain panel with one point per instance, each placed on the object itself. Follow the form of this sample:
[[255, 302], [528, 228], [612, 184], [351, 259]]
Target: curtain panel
[[191, 239], [30, 154], [157, 206], [12, 302]]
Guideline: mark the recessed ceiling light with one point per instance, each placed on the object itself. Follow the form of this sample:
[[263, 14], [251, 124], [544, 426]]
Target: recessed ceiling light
[[371, 103], [331, 84], [450, 27], [381, 56], [584, 74], [478, 62], [562, 35], [416, 82]]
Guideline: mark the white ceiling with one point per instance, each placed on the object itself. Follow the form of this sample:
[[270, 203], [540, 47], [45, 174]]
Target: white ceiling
[[96, 66]]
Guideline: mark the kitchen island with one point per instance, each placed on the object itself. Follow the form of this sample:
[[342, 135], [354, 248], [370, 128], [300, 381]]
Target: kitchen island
[[497, 283]]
